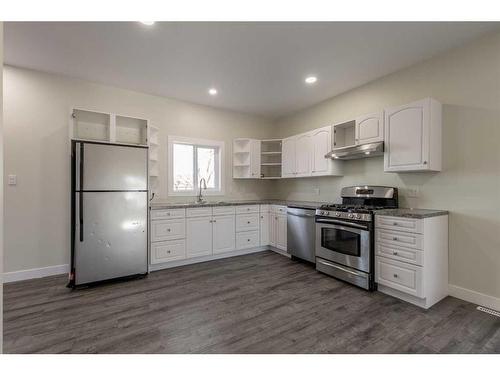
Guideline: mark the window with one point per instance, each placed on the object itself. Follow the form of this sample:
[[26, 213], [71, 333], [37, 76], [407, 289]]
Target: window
[[190, 161]]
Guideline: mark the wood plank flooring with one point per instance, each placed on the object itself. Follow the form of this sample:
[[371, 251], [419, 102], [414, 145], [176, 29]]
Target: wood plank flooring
[[258, 303]]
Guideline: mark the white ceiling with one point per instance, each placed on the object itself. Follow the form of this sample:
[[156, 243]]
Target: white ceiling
[[257, 68]]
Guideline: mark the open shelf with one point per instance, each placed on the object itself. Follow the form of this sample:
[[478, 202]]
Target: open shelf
[[92, 126], [131, 130], [344, 134]]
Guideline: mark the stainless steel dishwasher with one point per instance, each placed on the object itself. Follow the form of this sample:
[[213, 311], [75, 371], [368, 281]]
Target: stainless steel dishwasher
[[301, 233]]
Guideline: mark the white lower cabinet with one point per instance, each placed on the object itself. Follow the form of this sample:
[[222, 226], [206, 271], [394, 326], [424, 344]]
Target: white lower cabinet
[[411, 259], [247, 240], [264, 229], [223, 234], [198, 236], [277, 228], [168, 251]]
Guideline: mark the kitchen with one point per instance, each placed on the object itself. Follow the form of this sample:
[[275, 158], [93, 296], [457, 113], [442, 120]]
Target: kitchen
[[251, 224]]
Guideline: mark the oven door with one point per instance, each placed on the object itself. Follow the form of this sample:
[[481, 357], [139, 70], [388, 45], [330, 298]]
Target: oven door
[[345, 243]]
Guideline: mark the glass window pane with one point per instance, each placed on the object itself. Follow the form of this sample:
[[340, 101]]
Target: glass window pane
[[183, 167], [206, 166]]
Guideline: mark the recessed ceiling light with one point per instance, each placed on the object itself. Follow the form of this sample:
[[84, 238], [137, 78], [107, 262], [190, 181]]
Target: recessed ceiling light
[[212, 91], [311, 79], [148, 23]]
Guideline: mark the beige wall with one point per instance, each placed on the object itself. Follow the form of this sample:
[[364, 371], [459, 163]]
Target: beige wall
[[1, 189], [36, 129], [467, 82]]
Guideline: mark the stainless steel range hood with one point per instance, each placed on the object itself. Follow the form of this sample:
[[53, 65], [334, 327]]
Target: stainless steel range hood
[[357, 152]]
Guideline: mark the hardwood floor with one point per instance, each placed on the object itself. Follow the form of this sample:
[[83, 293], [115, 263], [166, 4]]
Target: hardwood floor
[[258, 303]]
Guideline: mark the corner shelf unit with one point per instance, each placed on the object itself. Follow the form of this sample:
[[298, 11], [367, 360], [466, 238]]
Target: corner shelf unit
[[270, 158], [242, 158]]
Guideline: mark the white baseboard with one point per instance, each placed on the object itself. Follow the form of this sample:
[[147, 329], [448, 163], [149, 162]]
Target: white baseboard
[[474, 297], [35, 273], [184, 262]]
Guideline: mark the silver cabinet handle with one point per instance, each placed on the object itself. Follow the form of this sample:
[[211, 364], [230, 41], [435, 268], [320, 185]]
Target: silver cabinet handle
[[168, 251], [215, 221], [394, 238], [248, 240], [168, 229], [248, 222], [395, 275], [425, 162], [394, 253], [394, 223]]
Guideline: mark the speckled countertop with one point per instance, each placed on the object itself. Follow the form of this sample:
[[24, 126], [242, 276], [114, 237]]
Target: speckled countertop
[[165, 205], [413, 213]]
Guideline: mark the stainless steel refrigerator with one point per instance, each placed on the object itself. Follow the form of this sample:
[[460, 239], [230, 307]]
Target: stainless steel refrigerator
[[109, 209]]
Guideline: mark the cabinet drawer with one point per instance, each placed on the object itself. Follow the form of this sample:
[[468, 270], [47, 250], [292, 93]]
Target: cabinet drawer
[[398, 275], [162, 230], [394, 238], [399, 224], [247, 209], [175, 213], [265, 208], [199, 211], [278, 209], [225, 210], [399, 253], [168, 251], [246, 223], [245, 240]]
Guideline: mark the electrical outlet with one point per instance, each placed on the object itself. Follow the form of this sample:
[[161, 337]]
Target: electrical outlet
[[12, 179], [412, 192]]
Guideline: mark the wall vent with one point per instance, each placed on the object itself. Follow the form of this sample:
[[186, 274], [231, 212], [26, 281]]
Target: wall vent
[[489, 311]]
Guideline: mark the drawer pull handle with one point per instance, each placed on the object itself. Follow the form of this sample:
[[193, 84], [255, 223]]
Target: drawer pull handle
[[394, 238], [394, 223], [394, 253], [168, 251], [248, 240], [168, 230], [395, 275], [215, 221], [248, 222]]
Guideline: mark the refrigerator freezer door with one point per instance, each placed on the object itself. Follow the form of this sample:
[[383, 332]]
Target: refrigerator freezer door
[[111, 235], [111, 167]]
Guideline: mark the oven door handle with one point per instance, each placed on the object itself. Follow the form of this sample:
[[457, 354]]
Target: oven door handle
[[324, 262], [343, 223]]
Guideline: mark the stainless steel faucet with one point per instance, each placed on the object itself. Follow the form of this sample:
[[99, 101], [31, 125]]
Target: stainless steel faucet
[[204, 186]]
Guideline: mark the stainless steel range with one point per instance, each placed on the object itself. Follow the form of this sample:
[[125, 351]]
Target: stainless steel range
[[345, 233]]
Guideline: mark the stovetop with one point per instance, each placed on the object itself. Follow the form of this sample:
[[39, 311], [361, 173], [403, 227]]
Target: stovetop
[[362, 209]]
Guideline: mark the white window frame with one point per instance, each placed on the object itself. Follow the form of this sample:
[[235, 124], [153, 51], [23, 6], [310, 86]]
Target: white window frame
[[219, 160]]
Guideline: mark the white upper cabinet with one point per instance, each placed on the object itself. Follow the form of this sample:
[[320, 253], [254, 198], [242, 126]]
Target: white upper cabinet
[[288, 157], [369, 128], [303, 147], [321, 144], [413, 137]]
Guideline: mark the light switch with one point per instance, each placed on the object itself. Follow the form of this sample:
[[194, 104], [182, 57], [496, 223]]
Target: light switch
[[12, 179]]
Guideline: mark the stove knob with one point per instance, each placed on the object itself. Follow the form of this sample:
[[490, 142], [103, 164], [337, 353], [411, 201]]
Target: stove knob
[[337, 213], [356, 216], [350, 216]]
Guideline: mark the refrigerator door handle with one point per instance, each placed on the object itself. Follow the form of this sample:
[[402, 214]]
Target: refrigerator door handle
[[80, 202]]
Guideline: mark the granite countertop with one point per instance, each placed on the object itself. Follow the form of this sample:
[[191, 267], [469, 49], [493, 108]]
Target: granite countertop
[[413, 213], [164, 205]]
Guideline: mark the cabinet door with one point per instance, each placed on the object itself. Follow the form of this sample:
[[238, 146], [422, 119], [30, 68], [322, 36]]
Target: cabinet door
[[321, 145], [303, 147], [407, 137], [369, 129], [288, 157], [224, 234], [264, 229], [273, 222], [255, 159], [281, 232], [198, 236]]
